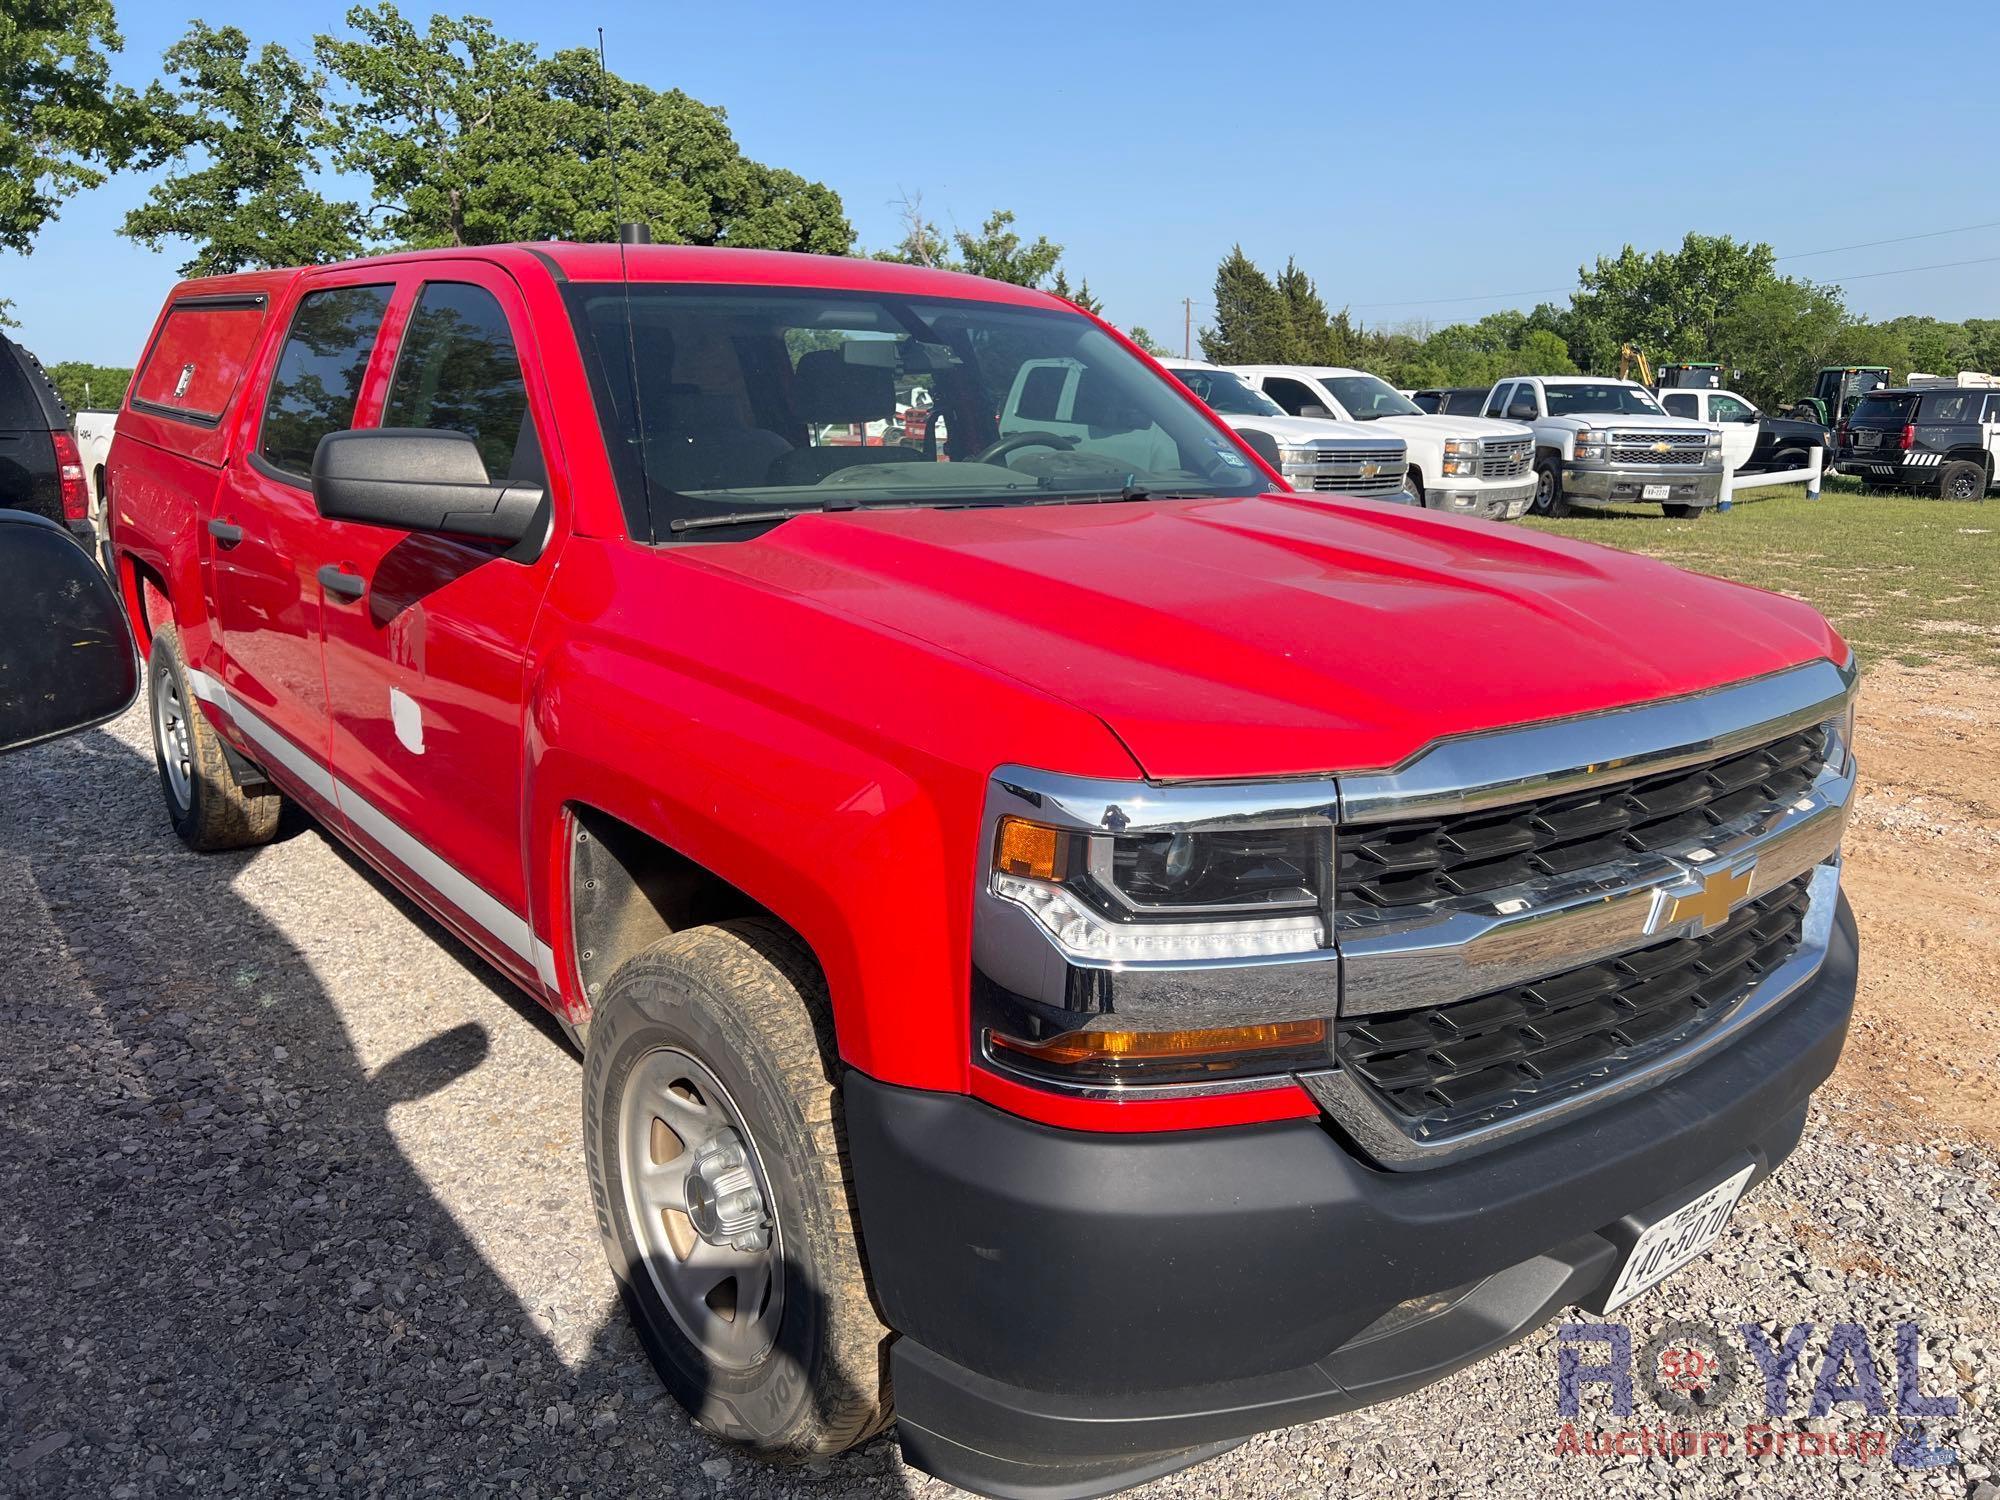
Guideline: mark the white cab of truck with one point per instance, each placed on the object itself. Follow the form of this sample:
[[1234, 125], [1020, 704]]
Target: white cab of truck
[[94, 431], [1471, 466], [1600, 441], [1315, 454]]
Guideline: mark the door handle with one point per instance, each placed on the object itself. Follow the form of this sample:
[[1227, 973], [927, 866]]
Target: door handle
[[224, 533], [335, 579]]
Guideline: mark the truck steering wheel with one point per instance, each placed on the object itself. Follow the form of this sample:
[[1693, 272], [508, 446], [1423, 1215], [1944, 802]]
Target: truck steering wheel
[[1016, 440]]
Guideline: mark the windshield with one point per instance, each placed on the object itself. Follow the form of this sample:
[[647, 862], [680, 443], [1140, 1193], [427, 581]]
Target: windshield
[[1226, 393], [1365, 397], [1585, 400], [739, 404]]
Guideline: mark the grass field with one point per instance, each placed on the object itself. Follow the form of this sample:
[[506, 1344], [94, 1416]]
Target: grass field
[[1912, 579]]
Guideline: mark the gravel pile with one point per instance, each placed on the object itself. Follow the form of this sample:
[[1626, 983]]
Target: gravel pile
[[290, 1203]]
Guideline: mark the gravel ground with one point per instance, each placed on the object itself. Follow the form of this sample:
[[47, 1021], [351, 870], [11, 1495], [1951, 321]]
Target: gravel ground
[[290, 1203]]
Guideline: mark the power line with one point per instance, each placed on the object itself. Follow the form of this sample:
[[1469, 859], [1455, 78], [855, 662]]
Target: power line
[[1901, 239], [1943, 265]]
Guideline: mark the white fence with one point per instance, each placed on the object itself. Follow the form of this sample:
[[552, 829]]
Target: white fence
[[1809, 476]]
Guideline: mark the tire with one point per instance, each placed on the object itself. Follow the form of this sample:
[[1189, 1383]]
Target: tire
[[1413, 481], [206, 805], [1962, 480], [1685, 512], [1790, 458], [733, 1018], [1548, 499]]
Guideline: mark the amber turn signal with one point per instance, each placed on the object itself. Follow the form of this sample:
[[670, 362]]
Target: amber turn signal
[[1115, 1057], [1028, 851]]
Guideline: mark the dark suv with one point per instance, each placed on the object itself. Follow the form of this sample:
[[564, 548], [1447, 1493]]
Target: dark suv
[[1938, 439], [1452, 400], [40, 469]]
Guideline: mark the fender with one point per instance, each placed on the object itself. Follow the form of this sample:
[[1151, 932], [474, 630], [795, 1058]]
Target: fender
[[726, 720]]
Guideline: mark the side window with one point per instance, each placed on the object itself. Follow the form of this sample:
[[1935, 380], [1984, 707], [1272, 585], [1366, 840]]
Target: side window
[[319, 373], [1293, 395], [1683, 404], [1522, 407], [1951, 407], [1041, 392], [1496, 401], [458, 372], [1728, 409]]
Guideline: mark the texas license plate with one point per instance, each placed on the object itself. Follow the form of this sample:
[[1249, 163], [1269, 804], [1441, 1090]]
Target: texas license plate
[[1656, 492], [1867, 439], [1672, 1242]]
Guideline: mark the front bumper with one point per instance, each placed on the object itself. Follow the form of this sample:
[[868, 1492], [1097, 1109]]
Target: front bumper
[[1077, 1312], [1685, 485], [1495, 502]]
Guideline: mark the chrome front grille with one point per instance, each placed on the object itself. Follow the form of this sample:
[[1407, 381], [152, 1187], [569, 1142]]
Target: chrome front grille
[[1659, 447], [1505, 458], [1405, 863], [1442, 1070], [1346, 471]]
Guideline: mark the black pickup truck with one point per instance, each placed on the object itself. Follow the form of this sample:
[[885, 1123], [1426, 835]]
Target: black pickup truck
[[41, 471], [1782, 442]]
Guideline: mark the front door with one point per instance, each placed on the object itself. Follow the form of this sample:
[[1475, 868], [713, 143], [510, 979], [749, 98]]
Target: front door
[[266, 543], [425, 666], [1738, 421]]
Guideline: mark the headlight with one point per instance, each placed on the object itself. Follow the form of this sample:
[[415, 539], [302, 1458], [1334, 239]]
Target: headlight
[[1461, 458], [1302, 458], [1714, 439], [1128, 934], [1840, 737], [1461, 447], [1590, 443], [1181, 895]]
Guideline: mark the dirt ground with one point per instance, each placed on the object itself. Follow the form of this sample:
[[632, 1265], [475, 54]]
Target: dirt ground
[[1923, 873]]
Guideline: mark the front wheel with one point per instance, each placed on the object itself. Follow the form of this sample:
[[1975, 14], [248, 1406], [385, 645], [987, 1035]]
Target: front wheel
[[1548, 489], [1685, 512], [718, 1172]]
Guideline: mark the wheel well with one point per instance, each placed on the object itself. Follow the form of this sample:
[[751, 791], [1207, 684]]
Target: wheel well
[[146, 600], [627, 890], [1970, 456]]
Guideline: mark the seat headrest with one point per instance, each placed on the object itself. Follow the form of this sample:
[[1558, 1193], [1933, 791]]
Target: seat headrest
[[830, 389]]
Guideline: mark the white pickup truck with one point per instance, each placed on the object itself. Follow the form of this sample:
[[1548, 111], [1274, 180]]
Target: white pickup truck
[[1599, 440], [1313, 453], [1471, 466]]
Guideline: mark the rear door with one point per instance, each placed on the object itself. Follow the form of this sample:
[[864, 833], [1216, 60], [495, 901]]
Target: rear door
[[266, 539], [425, 665], [27, 452]]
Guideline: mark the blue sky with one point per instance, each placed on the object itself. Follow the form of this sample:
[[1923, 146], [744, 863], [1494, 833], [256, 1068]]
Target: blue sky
[[1417, 160]]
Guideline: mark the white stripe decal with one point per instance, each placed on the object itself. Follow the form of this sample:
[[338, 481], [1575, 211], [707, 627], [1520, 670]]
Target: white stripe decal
[[507, 926]]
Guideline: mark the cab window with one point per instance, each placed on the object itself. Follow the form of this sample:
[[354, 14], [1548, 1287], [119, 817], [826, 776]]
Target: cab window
[[319, 373], [458, 371], [1682, 404], [1293, 395], [1729, 409], [1522, 408], [1496, 403]]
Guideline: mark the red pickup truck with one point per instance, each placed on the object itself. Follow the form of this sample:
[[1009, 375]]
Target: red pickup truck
[[1057, 926]]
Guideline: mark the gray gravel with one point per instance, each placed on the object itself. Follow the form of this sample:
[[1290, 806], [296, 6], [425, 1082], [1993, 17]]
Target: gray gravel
[[290, 1203]]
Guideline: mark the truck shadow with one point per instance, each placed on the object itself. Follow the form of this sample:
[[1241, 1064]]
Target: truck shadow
[[224, 1271]]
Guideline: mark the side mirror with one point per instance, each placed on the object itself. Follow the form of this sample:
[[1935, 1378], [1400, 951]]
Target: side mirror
[[66, 655], [417, 479], [1314, 409]]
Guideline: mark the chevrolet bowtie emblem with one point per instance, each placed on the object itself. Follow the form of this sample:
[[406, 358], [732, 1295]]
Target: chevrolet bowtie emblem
[[1710, 905], [1369, 471], [1660, 447]]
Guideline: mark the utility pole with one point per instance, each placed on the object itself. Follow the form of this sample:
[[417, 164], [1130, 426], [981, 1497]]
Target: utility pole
[[1187, 328]]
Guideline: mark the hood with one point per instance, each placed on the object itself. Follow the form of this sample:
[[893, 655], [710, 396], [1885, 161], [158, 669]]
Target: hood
[[1280, 635], [1300, 431], [1627, 421], [1435, 428]]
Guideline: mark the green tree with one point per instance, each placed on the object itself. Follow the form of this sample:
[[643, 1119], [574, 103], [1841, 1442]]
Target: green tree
[[1138, 335], [1777, 335], [248, 138], [86, 387], [1079, 294], [998, 252], [1314, 338], [1669, 303], [1252, 322], [921, 244], [63, 123], [470, 139], [1936, 347]]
